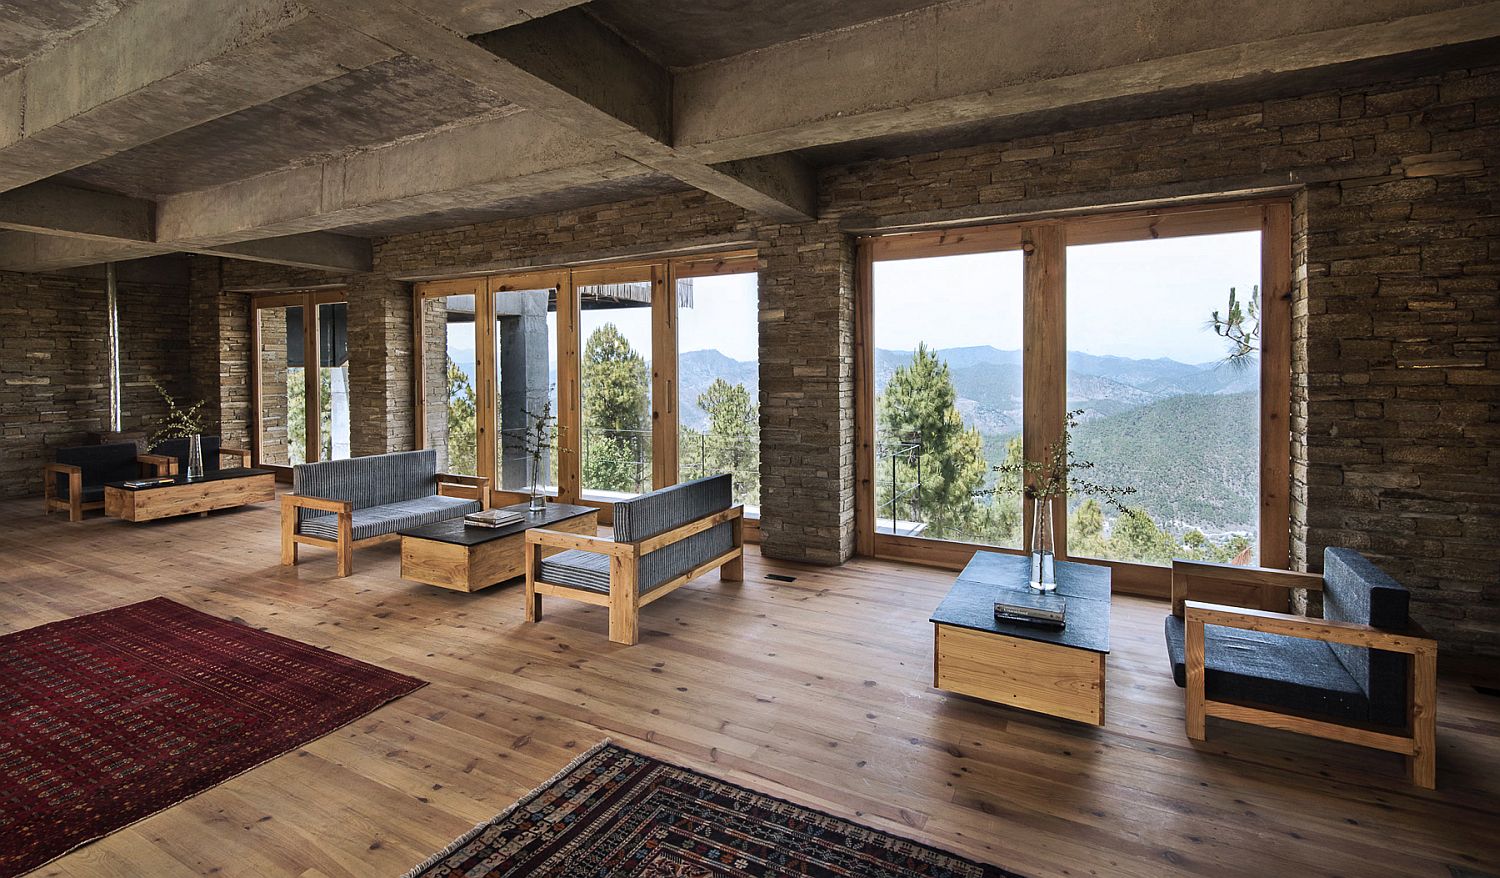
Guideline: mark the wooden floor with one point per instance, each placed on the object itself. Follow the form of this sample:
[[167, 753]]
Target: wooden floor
[[817, 690]]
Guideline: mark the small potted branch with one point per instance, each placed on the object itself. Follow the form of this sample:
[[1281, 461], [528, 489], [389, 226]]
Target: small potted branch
[[538, 441], [1052, 478], [182, 423]]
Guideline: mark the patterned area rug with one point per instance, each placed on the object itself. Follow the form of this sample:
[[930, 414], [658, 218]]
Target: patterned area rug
[[620, 814], [111, 717]]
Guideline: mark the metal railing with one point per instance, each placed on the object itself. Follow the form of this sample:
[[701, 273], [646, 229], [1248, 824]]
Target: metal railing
[[896, 454]]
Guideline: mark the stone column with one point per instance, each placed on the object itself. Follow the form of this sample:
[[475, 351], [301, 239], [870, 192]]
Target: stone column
[[807, 393], [380, 365]]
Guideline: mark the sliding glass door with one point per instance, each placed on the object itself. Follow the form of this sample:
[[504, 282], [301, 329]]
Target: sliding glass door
[[1158, 340], [301, 378], [615, 326]]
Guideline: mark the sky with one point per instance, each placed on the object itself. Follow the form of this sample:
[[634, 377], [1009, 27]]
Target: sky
[[1139, 299]]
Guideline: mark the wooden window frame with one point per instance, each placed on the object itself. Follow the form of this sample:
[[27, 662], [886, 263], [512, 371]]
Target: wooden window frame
[[663, 273], [1044, 368], [308, 300]]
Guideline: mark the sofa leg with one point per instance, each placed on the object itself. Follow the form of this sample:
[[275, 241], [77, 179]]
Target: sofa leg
[[624, 601], [1422, 764], [1195, 658], [530, 553], [346, 558], [75, 509]]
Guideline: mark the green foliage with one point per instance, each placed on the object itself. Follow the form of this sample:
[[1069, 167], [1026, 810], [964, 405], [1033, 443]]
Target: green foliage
[[731, 444], [463, 413], [616, 414], [1240, 326]]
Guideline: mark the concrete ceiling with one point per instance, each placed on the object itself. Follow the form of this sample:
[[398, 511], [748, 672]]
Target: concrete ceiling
[[287, 129], [686, 33]]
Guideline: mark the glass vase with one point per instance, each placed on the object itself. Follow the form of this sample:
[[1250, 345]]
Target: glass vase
[[1043, 569], [538, 500], [195, 457]]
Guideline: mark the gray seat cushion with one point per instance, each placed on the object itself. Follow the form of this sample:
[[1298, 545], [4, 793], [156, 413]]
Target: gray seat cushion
[[373, 521], [579, 569], [1289, 673]]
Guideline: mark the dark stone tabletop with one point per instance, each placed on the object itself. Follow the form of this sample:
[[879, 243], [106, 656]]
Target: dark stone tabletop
[[991, 576], [214, 476], [455, 531]]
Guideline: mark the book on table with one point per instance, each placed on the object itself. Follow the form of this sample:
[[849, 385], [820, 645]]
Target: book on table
[[494, 518], [1032, 608]]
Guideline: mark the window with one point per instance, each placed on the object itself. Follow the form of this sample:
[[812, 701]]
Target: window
[[973, 345], [450, 364], [615, 380], [718, 376], [947, 333], [526, 368], [1162, 410], [302, 413]]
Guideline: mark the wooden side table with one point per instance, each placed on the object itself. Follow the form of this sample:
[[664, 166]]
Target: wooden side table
[[221, 489], [455, 556], [1059, 672]]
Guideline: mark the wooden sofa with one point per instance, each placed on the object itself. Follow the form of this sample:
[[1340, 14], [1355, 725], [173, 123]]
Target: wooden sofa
[[1364, 673], [340, 504], [75, 482], [175, 453], [662, 541]]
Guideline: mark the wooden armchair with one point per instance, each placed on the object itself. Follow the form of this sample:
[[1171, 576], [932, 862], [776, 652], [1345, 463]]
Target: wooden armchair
[[663, 540], [75, 482], [1364, 674], [340, 504]]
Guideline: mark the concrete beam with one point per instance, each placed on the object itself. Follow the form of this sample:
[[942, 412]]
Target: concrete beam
[[28, 252], [971, 61], [515, 156], [576, 72], [54, 209], [160, 66], [779, 187]]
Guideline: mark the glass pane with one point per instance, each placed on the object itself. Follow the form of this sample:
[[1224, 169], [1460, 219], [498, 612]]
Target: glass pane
[[615, 326], [948, 396], [283, 398], [526, 387], [1163, 412], [333, 380], [718, 382], [449, 378]]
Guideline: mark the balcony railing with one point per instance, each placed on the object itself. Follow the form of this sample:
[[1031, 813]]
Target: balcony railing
[[891, 458]]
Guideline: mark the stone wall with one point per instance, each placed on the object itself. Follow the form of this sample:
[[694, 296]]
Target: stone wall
[[1396, 397], [54, 361]]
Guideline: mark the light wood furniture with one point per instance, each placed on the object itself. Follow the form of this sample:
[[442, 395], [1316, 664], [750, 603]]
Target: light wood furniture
[[1418, 742], [460, 557], [755, 684], [624, 596], [223, 489], [1058, 672], [87, 468]]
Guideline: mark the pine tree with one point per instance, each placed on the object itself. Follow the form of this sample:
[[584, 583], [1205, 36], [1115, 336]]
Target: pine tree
[[463, 413], [731, 444], [616, 414], [919, 405]]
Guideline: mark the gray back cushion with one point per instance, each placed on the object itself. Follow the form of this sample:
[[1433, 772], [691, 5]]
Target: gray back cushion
[[112, 462], [1354, 590], [661, 510], [368, 481]]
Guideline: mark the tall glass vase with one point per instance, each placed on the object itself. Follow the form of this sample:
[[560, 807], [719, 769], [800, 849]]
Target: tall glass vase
[[1043, 570], [538, 493], [195, 457]]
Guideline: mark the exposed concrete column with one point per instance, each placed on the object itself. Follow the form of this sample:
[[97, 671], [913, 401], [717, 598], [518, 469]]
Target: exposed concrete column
[[525, 359], [807, 393]]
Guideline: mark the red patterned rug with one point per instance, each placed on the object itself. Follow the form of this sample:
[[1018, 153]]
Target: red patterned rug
[[615, 812], [111, 717]]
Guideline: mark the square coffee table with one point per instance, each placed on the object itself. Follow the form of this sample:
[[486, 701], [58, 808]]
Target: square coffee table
[[451, 554], [220, 489], [1056, 671]]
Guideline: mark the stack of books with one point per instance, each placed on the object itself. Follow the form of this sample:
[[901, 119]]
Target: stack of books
[[1032, 608], [493, 518]]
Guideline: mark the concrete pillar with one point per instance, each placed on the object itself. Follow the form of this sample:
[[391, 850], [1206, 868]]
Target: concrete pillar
[[524, 361]]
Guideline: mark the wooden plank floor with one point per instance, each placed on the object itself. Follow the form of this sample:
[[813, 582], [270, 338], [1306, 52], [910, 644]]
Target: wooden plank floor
[[818, 691]]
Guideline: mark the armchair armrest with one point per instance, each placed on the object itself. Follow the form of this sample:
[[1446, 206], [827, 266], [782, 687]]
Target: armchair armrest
[[241, 453], [467, 487], [1185, 573], [62, 469], [306, 501], [50, 472], [160, 464], [1325, 630], [561, 540]]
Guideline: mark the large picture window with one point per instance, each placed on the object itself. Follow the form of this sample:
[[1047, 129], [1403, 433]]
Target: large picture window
[[978, 347], [301, 378]]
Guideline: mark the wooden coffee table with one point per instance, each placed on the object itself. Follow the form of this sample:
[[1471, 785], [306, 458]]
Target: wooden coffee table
[[221, 489], [1055, 671], [453, 555]]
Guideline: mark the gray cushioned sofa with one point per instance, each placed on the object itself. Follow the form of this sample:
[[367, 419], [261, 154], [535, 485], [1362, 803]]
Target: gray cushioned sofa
[[339, 504], [662, 540]]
